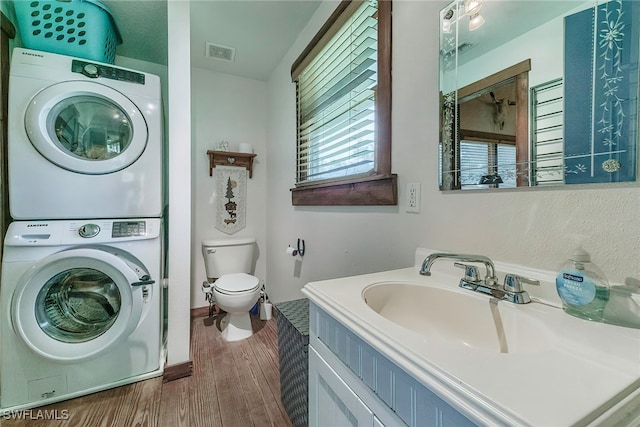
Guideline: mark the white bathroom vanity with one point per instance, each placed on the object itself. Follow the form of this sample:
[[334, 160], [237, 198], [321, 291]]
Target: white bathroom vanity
[[398, 348]]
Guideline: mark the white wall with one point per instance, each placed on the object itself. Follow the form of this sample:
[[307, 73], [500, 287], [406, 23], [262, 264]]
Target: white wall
[[540, 45], [179, 186], [234, 109], [532, 227]]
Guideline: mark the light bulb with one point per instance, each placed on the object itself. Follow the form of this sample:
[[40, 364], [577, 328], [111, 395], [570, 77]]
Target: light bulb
[[475, 22], [446, 26], [472, 7]]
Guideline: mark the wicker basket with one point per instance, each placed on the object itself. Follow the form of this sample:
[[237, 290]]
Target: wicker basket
[[80, 28]]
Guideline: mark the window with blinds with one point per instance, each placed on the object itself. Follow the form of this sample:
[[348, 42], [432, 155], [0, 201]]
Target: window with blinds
[[343, 95], [336, 102], [547, 133], [487, 165]]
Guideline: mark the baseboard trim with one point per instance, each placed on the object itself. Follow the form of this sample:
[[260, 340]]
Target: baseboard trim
[[175, 372], [199, 312]]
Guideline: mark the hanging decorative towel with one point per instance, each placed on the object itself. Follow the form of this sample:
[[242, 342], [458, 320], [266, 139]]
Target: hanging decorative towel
[[231, 198]]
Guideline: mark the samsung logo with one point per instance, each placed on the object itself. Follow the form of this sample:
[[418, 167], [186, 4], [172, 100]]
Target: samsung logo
[[37, 225], [33, 54]]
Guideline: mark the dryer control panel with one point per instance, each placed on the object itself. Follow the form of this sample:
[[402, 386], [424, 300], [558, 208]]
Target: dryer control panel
[[81, 232], [128, 228], [94, 71]]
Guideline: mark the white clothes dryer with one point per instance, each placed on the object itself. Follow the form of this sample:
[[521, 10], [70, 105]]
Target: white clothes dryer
[[81, 308], [85, 139]]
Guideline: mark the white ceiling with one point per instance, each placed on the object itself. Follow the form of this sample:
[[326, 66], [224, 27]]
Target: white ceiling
[[261, 31], [507, 20]]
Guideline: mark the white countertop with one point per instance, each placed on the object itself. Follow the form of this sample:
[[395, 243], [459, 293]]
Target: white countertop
[[590, 368]]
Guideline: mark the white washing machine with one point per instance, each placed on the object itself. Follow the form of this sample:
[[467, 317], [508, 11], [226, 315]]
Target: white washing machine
[[80, 308], [85, 139]]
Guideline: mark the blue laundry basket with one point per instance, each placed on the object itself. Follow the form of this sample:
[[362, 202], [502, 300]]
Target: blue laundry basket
[[80, 28]]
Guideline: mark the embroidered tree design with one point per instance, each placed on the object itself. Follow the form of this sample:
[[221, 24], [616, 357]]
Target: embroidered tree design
[[230, 187], [231, 206]]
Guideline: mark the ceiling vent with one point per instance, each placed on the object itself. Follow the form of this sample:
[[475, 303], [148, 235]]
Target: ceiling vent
[[220, 52]]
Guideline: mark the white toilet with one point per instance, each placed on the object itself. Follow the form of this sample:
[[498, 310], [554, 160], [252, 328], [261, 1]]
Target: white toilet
[[228, 263]]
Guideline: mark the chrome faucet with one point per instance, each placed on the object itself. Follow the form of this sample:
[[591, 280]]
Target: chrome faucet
[[511, 291], [490, 278]]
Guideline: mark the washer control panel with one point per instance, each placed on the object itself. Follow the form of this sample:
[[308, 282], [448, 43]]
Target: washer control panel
[[128, 228], [94, 71]]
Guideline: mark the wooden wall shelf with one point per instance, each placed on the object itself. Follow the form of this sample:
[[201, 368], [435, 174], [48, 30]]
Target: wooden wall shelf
[[230, 158]]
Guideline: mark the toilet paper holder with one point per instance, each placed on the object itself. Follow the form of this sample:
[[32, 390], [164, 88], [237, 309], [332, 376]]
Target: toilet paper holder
[[299, 250]]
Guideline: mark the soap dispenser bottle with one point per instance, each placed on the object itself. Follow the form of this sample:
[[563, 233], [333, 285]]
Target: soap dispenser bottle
[[582, 287]]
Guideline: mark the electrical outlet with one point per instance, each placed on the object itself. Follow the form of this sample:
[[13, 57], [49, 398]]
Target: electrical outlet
[[413, 197]]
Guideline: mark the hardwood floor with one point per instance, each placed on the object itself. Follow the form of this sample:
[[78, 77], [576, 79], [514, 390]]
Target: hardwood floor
[[233, 385]]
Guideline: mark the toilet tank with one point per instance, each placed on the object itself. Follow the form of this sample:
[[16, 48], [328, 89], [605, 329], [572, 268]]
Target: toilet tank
[[227, 256]]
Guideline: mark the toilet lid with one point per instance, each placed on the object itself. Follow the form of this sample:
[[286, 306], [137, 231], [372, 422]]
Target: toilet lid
[[237, 282]]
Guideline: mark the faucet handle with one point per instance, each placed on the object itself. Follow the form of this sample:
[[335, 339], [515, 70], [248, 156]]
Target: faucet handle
[[471, 273], [513, 282]]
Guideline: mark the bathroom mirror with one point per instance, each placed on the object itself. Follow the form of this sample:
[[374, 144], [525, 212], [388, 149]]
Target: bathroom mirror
[[538, 93]]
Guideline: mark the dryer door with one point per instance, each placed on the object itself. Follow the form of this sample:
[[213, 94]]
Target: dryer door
[[78, 303], [86, 127]]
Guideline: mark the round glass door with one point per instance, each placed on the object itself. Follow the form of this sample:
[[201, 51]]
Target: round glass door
[[86, 127], [78, 305], [90, 128]]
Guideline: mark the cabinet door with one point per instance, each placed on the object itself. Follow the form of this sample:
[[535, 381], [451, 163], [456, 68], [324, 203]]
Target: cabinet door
[[331, 402]]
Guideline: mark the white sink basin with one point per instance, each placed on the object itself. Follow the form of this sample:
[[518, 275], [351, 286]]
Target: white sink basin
[[459, 316]]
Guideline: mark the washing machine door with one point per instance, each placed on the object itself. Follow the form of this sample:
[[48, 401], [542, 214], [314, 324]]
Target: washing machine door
[[86, 127], [78, 303]]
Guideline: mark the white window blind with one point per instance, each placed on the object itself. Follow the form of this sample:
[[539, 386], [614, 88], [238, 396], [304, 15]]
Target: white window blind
[[336, 103], [489, 160]]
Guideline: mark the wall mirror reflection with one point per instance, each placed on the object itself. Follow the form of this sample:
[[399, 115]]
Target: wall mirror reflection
[[538, 93]]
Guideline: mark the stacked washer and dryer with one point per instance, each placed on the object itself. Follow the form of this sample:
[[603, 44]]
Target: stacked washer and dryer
[[80, 293]]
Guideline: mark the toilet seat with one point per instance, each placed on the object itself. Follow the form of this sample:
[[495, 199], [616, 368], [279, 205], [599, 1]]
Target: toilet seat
[[236, 284]]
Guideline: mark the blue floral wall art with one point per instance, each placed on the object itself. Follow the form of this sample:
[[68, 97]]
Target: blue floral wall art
[[601, 74]]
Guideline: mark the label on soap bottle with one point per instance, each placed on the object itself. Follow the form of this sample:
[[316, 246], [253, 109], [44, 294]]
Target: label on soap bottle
[[574, 288]]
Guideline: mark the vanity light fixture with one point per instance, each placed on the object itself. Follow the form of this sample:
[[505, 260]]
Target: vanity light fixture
[[472, 7], [446, 21], [472, 10], [446, 26], [476, 21]]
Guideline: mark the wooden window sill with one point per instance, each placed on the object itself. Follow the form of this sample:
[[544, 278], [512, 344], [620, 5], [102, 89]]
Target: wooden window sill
[[377, 190]]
